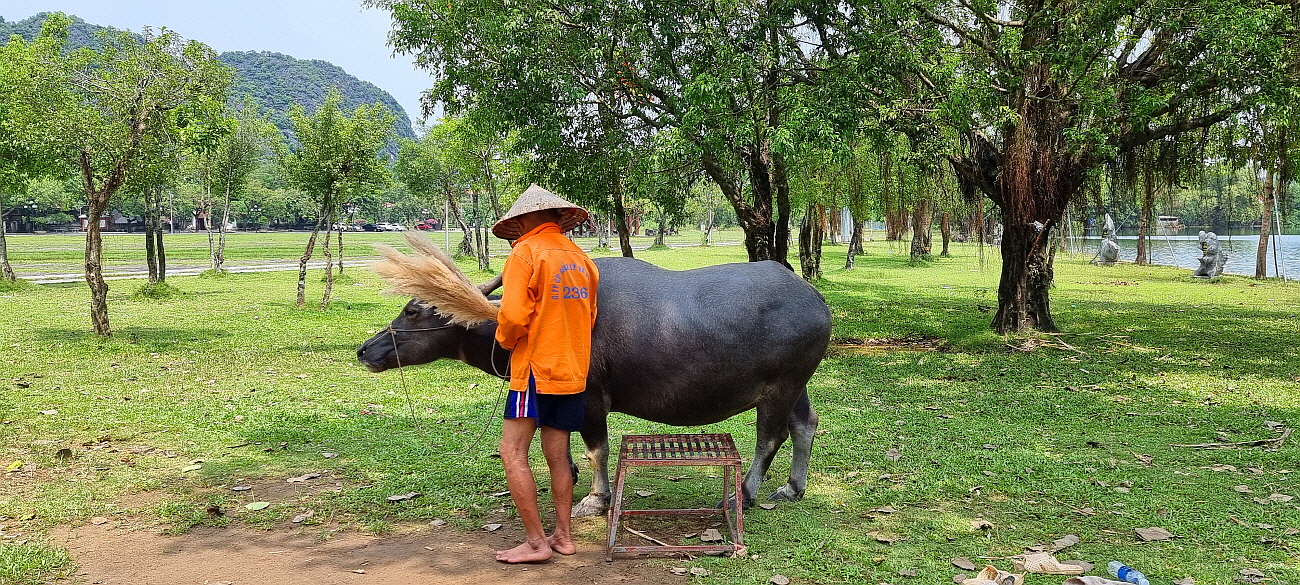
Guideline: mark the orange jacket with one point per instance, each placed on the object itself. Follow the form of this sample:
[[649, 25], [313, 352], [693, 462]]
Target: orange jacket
[[548, 306]]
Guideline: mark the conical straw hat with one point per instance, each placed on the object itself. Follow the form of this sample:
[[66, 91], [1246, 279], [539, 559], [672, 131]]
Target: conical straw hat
[[533, 199]]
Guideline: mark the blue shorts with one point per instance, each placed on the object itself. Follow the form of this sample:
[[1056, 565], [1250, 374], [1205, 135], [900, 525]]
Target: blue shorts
[[565, 412]]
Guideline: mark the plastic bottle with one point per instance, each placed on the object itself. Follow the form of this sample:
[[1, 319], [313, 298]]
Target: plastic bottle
[[1123, 573]]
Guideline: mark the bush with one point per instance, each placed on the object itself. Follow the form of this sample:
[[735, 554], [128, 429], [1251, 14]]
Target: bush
[[15, 285], [159, 291]]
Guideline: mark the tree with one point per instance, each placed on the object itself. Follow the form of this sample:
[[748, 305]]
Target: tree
[[428, 169], [601, 76], [235, 157], [104, 109], [1044, 93], [337, 155]]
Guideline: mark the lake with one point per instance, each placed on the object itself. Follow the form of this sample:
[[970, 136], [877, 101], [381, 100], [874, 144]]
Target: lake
[[1185, 252]]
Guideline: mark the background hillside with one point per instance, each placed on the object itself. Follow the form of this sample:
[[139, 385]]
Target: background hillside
[[275, 80]]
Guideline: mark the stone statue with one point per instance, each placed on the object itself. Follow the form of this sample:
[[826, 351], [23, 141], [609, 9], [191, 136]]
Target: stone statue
[[1109, 252], [1212, 256]]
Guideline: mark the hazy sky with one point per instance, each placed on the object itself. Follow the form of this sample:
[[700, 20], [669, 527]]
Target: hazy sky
[[338, 31]]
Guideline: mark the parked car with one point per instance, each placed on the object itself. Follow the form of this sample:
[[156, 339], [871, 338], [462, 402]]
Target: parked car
[[370, 227], [391, 227]]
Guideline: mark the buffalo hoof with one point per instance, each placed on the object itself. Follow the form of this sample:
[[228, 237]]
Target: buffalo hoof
[[592, 505], [730, 503], [786, 494]]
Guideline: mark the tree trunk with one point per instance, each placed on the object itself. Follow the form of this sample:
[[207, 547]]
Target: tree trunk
[[1144, 221], [921, 220], [160, 252], [663, 227], [481, 233], [1023, 301], [151, 221], [329, 266], [855, 242], [6, 271], [220, 258], [306, 256], [1265, 225], [755, 219], [467, 240], [945, 231], [98, 202], [620, 216], [810, 242]]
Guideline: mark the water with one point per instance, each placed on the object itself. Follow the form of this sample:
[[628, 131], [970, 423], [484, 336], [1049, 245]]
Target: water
[[1185, 252]]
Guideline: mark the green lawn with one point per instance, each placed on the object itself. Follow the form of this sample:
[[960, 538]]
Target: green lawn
[[1040, 436]]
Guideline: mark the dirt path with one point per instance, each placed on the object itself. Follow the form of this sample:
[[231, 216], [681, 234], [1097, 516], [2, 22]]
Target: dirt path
[[117, 555]]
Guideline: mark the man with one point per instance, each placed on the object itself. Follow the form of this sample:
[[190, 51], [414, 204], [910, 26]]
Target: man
[[548, 306]]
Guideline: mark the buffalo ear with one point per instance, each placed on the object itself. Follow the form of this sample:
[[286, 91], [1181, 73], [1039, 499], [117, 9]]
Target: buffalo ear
[[490, 285]]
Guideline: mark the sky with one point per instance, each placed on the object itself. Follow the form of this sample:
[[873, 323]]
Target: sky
[[338, 31]]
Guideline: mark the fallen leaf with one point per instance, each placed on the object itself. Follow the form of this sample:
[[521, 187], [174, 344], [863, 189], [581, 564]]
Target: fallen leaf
[[63, 454], [1147, 459], [438, 522], [884, 510], [711, 535], [767, 506], [779, 579], [404, 497], [1088, 511], [491, 527], [893, 454], [50, 412], [1153, 533], [329, 455], [99, 520], [358, 571], [907, 572], [980, 524], [964, 563], [1221, 467], [990, 446], [1064, 542], [257, 505], [1242, 489], [15, 466], [303, 516], [191, 468], [1185, 581], [241, 488], [302, 478], [1251, 573], [699, 571], [644, 493], [1273, 498], [679, 570]]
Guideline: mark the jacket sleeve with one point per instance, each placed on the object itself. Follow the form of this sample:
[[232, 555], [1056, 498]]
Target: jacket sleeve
[[518, 302]]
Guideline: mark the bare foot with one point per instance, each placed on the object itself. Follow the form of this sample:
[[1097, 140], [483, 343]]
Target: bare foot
[[561, 544], [526, 553]]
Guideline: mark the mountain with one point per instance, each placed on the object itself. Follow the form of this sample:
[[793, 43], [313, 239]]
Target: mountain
[[278, 81], [275, 80]]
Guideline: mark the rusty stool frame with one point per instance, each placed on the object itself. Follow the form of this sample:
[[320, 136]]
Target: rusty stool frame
[[700, 449]]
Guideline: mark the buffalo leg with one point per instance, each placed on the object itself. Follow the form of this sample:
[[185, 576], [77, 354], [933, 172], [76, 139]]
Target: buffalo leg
[[773, 428], [595, 436], [802, 427]]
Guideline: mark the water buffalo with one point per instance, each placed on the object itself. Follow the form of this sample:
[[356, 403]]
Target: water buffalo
[[676, 347]]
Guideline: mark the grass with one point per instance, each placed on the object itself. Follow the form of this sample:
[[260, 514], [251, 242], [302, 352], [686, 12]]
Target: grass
[[1041, 436]]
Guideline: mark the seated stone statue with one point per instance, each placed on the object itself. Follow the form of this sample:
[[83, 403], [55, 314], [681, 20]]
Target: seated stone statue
[[1212, 256], [1109, 252]]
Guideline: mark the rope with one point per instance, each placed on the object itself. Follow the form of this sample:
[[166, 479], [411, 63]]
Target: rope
[[406, 391]]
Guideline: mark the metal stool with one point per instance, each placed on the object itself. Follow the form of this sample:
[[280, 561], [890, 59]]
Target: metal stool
[[671, 450]]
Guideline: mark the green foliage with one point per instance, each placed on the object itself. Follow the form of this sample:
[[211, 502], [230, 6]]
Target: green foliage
[[338, 154], [32, 564]]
